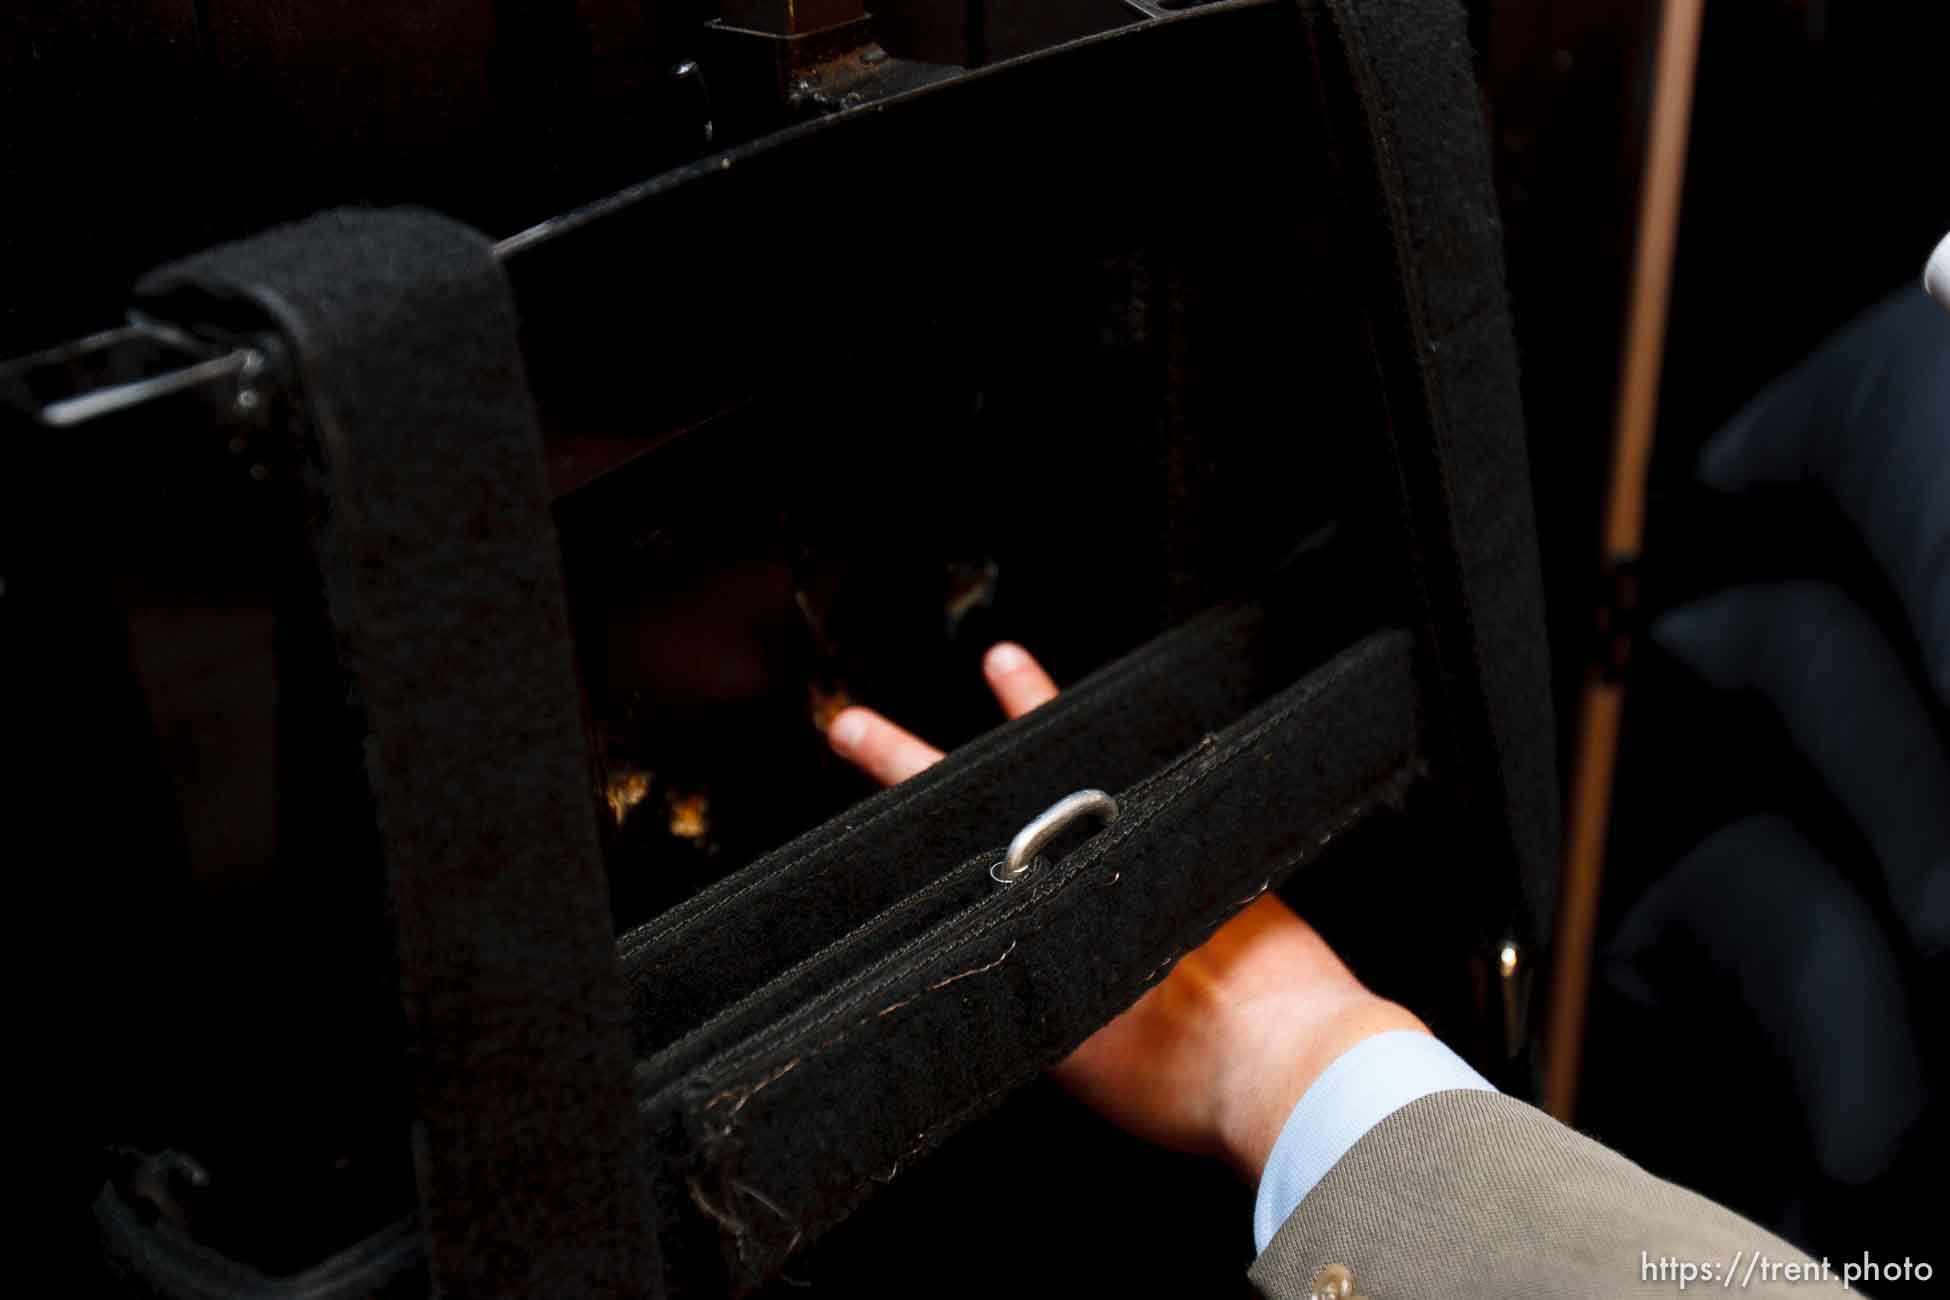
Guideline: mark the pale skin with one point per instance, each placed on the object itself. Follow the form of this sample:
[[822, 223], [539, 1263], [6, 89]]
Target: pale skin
[[1213, 1058]]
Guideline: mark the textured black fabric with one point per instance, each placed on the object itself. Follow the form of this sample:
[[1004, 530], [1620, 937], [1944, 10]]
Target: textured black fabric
[[1854, 712], [1396, 83], [1755, 930], [442, 576], [778, 1137], [874, 871], [1866, 421], [1113, 731]]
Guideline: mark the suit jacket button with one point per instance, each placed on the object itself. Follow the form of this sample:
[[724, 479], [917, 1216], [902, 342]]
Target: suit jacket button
[[1334, 1282]]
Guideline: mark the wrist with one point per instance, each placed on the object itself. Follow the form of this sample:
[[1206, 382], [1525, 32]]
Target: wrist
[[1279, 1046]]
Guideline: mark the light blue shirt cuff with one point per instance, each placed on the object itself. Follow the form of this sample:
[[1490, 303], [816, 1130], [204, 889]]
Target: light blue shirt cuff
[[1365, 1085]]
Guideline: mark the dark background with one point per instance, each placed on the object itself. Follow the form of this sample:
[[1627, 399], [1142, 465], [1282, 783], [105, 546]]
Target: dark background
[[1810, 194]]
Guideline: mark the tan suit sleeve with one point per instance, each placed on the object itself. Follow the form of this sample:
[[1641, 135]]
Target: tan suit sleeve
[[1477, 1194]]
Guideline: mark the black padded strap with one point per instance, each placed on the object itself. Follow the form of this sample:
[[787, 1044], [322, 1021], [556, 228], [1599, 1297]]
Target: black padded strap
[[876, 871], [1395, 80], [442, 575], [780, 1135]]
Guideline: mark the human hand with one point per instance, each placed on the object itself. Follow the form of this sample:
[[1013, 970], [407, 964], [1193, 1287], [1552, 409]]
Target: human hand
[[1213, 1058]]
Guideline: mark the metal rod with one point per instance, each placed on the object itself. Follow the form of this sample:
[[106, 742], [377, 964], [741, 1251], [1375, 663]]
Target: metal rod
[[239, 363], [1602, 706], [70, 411]]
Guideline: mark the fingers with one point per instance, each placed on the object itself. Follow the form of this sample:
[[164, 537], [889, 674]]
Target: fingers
[[879, 748], [1018, 681], [890, 755]]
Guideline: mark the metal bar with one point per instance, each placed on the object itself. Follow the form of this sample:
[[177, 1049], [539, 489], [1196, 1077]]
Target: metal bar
[[1602, 706], [71, 411], [237, 364]]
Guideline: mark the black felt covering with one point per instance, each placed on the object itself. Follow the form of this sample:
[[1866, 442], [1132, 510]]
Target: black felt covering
[[1112, 731], [779, 1136], [874, 873], [442, 576], [1856, 714], [1396, 81], [1866, 421]]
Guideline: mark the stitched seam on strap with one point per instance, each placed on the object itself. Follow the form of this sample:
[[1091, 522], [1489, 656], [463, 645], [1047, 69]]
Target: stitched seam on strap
[[1318, 684], [1036, 722]]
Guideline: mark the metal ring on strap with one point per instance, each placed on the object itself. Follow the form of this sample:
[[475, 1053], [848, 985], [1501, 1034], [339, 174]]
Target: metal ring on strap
[[1031, 838]]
